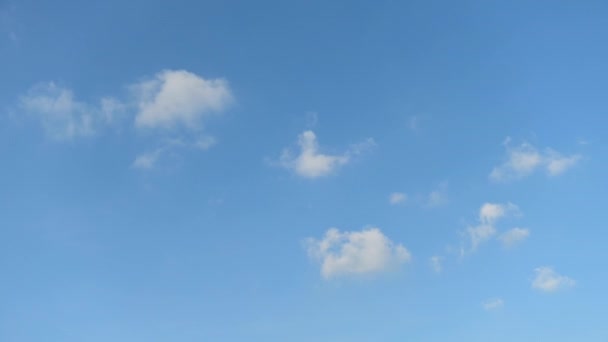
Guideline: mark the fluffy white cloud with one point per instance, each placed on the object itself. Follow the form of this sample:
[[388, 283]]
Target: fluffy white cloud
[[492, 304], [436, 263], [514, 236], [356, 253], [397, 197], [548, 280], [179, 98], [524, 159], [310, 163]]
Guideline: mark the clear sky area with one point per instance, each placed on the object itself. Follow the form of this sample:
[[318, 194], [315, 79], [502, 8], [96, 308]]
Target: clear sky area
[[303, 171]]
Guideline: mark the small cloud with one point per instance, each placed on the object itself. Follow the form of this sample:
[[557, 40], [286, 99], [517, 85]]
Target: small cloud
[[492, 304], [548, 280], [525, 159], [362, 252], [489, 214], [397, 198], [204, 143], [439, 196], [147, 160], [61, 115], [311, 163], [179, 98], [558, 164], [436, 263], [514, 236], [480, 234]]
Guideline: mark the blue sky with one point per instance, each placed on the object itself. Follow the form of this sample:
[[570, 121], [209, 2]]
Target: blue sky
[[303, 171]]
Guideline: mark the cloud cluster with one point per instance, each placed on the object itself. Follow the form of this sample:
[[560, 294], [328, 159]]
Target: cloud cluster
[[175, 103], [548, 280], [362, 252], [311, 163], [525, 159], [489, 215]]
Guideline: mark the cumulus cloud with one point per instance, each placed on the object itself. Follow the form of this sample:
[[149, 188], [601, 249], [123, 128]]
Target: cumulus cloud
[[492, 304], [179, 98], [489, 214], [397, 197], [548, 280], [514, 236], [311, 163], [362, 252], [523, 160]]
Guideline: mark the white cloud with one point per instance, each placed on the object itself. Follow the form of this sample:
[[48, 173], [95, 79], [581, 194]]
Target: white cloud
[[492, 304], [514, 236], [558, 164], [172, 99], [548, 280], [179, 98], [480, 234], [397, 198], [489, 214], [524, 159], [147, 160], [362, 252], [436, 263], [62, 116], [310, 163]]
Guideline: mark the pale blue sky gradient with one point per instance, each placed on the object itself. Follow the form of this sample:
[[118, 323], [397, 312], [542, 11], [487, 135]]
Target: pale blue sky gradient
[[416, 97]]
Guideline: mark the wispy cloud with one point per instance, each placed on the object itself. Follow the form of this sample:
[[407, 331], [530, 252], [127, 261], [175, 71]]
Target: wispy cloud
[[439, 196], [311, 163], [524, 159], [514, 236], [547, 280], [436, 263], [63, 117], [362, 252], [492, 304], [397, 198]]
